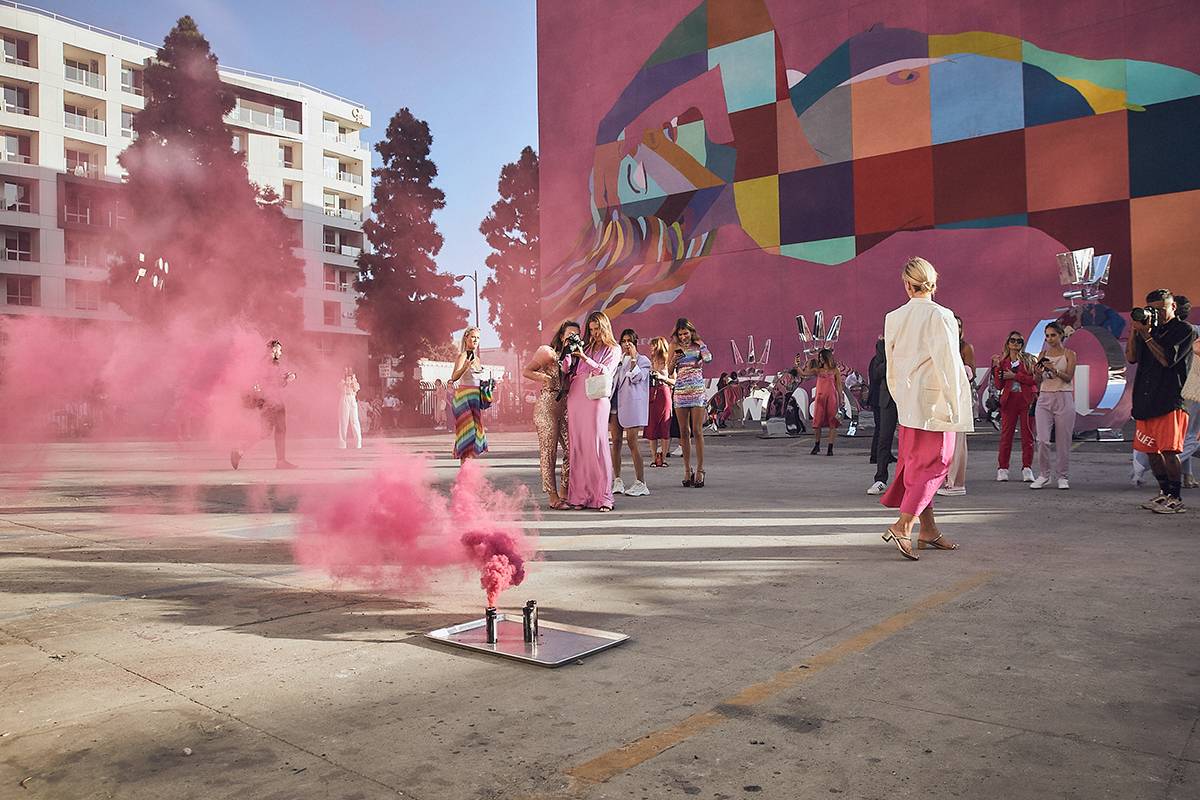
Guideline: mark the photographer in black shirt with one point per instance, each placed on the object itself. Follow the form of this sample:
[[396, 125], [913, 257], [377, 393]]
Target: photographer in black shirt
[[1161, 345]]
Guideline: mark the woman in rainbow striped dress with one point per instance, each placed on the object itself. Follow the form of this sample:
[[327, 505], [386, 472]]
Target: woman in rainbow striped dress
[[470, 440], [687, 364]]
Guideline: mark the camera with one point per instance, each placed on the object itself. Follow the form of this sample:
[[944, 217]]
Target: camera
[[1147, 315], [574, 342]]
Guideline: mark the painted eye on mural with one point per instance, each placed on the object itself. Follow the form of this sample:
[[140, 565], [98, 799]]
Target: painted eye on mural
[[635, 176], [902, 76]]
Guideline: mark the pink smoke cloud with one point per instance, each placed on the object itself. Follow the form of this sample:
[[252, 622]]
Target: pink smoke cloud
[[395, 531]]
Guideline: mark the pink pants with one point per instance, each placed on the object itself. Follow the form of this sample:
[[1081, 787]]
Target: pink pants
[[1057, 410], [923, 459]]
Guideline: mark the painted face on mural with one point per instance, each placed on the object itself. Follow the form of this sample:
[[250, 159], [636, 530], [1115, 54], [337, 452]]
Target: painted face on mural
[[893, 130]]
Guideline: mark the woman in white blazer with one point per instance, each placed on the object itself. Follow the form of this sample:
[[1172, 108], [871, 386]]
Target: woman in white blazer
[[926, 378]]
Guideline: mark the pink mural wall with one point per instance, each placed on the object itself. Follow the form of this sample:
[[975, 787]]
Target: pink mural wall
[[740, 162]]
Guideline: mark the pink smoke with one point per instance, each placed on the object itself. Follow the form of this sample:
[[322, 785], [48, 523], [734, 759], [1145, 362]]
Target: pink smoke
[[394, 530]]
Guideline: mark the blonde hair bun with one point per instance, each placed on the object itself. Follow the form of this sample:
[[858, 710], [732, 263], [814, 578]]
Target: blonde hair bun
[[920, 275]]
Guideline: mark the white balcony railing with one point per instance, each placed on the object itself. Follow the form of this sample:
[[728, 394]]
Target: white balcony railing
[[14, 158], [83, 77], [131, 88], [262, 119], [129, 133], [81, 123], [350, 251], [13, 108], [344, 213], [350, 139], [77, 214], [333, 286], [82, 169], [341, 175], [20, 62]]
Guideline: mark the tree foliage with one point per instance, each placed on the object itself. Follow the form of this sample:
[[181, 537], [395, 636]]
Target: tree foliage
[[188, 200], [511, 229], [405, 300]]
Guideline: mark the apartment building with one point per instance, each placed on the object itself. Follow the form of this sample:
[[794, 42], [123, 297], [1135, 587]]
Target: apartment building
[[70, 94]]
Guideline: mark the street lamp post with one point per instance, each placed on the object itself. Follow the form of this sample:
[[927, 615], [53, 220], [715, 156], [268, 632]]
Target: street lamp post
[[474, 277]]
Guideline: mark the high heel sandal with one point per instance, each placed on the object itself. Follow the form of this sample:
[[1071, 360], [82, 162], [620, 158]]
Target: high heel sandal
[[936, 544], [698, 483], [690, 480], [890, 536], [816, 449]]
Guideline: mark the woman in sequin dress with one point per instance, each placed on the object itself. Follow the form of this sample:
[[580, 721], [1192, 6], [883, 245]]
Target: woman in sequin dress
[[550, 413], [687, 365]]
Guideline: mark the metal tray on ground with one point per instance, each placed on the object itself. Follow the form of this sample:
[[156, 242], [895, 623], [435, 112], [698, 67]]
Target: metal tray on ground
[[556, 643]]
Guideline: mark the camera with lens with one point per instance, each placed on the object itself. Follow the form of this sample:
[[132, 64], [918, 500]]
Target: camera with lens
[[1147, 315], [574, 342]]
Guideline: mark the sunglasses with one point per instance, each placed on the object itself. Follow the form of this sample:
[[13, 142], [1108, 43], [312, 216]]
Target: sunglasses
[[1016, 341]]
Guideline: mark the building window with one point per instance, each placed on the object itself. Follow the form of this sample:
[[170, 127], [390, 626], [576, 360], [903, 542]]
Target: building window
[[79, 164], [16, 148], [22, 290], [18, 246], [127, 124], [16, 51], [131, 80], [289, 193], [16, 196], [76, 253], [285, 156], [83, 295], [86, 74], [331, 241], [16, 99], [338, 279], [333, 313]]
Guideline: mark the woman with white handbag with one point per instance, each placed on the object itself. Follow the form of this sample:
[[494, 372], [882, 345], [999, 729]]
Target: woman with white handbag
[[588, 402]]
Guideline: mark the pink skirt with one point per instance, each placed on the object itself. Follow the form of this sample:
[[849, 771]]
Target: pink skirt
[[923, 459]]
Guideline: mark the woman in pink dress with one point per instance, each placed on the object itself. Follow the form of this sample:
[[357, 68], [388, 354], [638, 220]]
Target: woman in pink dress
[[658, 429], [591, 461], [826, 397]]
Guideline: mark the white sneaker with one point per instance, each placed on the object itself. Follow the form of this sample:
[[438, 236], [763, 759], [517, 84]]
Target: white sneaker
[[1040, 482], [1001, 474], [878, 487], [952, 491], [639, 489], [678, 451], [618, 486], [1063, 484], [1027, 475]]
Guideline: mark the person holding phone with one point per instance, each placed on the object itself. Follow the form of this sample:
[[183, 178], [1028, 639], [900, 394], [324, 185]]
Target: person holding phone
[[1055, 407], [687, 367], [470, 439]]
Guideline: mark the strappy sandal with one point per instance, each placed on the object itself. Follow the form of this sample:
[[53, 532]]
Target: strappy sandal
[[936, 544], [690, 480], [698, 483], [890, 536], [560, 505], [604, 509]]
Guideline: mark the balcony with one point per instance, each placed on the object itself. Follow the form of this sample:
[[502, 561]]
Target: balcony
[[350, 139], [342, 249], [80, 215], [9, 58], [334, 286], [81, 123], [14, 108], [348, 177], [15, 158], [261, 119], [83, 77], [344, 213], [82, 169]]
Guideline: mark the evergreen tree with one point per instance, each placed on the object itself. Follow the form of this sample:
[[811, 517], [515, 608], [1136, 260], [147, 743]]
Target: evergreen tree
[[514, 291], [405, 302], [188, 200]]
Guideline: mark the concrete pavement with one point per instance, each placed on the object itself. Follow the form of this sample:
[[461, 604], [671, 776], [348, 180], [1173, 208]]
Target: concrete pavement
[[156, 640]]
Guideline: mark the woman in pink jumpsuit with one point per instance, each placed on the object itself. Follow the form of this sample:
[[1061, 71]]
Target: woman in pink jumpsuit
[[587, 435]]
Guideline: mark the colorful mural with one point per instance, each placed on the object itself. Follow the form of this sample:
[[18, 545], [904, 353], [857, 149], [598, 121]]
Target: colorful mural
[[741, 173]]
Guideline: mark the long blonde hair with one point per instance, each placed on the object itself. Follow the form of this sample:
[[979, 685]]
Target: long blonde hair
[[1026, 357], [606, 334], [660, 349], [920, 275], [462, 343]]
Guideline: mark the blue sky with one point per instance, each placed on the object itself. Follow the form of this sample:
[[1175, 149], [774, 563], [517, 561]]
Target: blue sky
[[467, 67]]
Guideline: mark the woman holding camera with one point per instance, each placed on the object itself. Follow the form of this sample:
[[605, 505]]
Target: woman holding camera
[[1014, 372], [588, 402], [1055, 407], [926, 378], [550, 412], [470, 440], [658, 426], [687, 366], [632, 393]]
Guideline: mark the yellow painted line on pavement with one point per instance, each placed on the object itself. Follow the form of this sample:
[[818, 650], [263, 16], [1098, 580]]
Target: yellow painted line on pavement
[[624, 758]]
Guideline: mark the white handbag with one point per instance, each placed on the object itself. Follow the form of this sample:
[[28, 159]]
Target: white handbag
[[599, 386]]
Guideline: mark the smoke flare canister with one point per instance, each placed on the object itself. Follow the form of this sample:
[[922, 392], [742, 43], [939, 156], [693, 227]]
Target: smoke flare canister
[[527, 623], [531, 620], [489, 619]]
